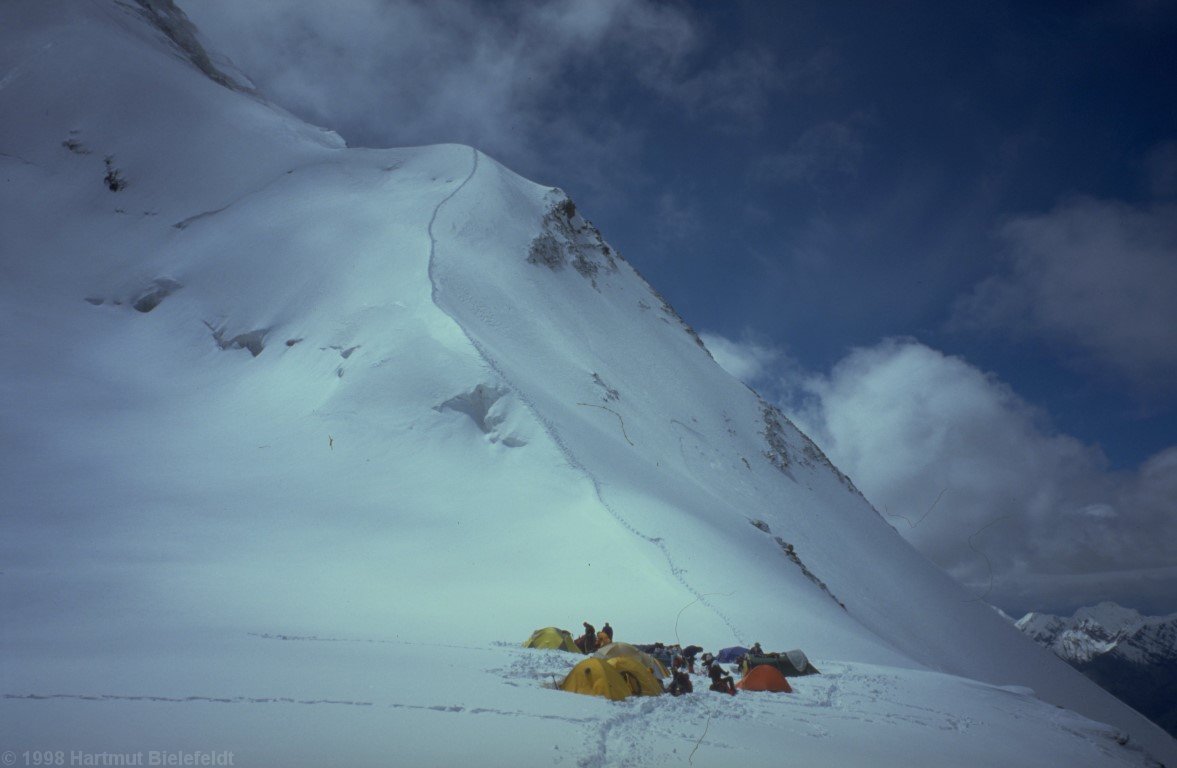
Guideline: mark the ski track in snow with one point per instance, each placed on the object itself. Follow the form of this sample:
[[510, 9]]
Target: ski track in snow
[[194, 218], [643, 732], [17, 158], [526, 665], [549, 427], [635, 717], [186, 699], [317, 639], [442, 708]]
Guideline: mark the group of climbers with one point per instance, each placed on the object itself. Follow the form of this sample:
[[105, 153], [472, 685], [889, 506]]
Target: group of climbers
[[617, 669], [683, 666], [591, 640]]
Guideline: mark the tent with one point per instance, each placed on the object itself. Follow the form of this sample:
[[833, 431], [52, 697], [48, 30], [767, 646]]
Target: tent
[[641, 680], [791, 663], [663, 655], [731, 655], [764, 677], [799, 662], [613, 650], [595, 677], [552, 637]]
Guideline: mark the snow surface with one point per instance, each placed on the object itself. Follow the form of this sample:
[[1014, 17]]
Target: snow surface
[[301, 441], [334, 701]]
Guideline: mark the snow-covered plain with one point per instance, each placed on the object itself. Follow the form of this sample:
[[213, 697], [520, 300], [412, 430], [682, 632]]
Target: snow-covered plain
[[300, 442]]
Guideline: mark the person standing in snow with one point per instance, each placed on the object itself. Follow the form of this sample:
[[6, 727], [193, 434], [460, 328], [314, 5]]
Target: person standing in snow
[[608, 630], [603, 639], [681, 682], [689, 654], [587, 642]]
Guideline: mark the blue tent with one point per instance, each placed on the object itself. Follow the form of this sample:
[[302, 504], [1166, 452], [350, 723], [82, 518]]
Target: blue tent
[[731, 655]]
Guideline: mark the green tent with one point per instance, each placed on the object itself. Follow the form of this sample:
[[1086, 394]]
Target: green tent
[[552, 637], [790, 663]]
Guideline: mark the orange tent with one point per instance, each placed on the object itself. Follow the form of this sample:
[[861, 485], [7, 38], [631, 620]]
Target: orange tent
[[765, 677]]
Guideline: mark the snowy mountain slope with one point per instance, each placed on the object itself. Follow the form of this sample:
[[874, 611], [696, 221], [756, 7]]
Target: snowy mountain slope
[[266, 384]]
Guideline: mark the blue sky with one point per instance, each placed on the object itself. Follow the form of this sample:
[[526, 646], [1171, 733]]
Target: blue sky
[[943, 231]]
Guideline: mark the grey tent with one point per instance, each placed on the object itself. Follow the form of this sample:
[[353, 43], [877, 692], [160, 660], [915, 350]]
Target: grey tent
[[791, 663]]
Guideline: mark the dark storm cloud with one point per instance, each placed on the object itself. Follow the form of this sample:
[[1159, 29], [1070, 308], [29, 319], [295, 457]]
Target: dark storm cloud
[[1095, 276]]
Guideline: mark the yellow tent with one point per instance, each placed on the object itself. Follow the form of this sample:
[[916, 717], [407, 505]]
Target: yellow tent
[[614, 650], [641, 681], [594, 677], [552, 637]]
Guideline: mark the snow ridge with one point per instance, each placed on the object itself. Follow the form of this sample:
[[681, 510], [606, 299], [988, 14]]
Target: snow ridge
[[169, 19], [676, 570]]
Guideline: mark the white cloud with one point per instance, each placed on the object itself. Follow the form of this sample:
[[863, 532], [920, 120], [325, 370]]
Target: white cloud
[[1095, 276], [530, 83], [976, 479], [752, 362]]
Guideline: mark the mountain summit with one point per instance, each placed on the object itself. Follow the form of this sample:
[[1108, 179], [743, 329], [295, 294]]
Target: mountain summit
[[301, 441], [1133, 656]]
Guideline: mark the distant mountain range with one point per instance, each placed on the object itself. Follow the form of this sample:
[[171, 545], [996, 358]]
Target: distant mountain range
[[1131, 655]]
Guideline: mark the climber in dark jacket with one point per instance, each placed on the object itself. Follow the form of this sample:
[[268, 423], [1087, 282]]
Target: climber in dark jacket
[[682, 681], [721, 682], [689, 654], [588, 641]]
